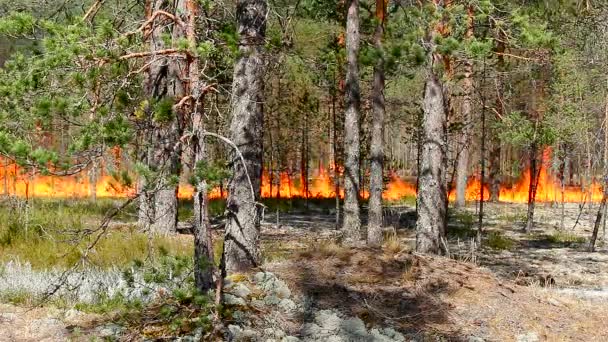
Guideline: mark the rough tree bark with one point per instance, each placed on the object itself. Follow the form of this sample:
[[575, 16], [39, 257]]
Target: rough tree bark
[[241, 242], [374, 229], [351, 223], [188, 11], [158, 202], [432, 201], [494, 174], [462, 168]]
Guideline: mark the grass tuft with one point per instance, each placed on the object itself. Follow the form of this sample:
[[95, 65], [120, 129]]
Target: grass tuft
[[392, 244], [561, 237]]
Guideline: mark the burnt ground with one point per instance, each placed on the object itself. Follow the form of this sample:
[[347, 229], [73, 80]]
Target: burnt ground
[[543, 285]]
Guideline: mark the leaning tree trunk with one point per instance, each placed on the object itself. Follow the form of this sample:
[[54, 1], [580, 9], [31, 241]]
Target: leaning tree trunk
[[600, 213], [432, 195], [374, 228], [241, 245], [462, 168], [158, 200], [534, 174], [351, 223]]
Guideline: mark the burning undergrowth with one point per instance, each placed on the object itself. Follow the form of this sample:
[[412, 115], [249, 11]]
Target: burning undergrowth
[[320, 184]]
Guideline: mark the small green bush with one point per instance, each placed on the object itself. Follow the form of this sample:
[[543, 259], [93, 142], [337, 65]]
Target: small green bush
[[496, 240], [461, 224]]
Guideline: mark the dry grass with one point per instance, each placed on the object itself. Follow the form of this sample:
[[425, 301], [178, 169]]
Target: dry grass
[[392, 244], [51, 234], [326, 249]]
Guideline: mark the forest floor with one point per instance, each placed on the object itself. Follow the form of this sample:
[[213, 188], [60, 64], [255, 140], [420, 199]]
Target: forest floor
[[541, 286]]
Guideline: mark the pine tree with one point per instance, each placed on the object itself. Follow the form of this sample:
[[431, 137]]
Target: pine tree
[[352, 222], [374, 229], [241, 241]]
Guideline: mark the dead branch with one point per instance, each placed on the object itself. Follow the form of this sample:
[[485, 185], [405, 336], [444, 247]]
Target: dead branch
[[165, 52], [92, 11], [153, 17]]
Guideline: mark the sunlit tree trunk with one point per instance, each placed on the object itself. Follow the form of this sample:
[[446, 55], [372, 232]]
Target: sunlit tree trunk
[[374, 229], [462, 168], [158, 202], [241, 245], [351, 223], [432, 199]]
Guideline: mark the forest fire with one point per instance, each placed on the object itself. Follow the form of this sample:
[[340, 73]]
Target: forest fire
[[284, 185]]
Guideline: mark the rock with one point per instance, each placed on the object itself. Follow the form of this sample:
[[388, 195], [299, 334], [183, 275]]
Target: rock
[[258, 303], [288, 305], [110, 330], [195, 337], [354, 328], [270, 284], [290, 339], [328, 326], [239, 334], [328, 320], [240, 290], [239, 316], [529, 337], [233, 300], [272, 300], [310, 330], [72, 315], [7, 316], [475, 339], [228, 284], [273, 334], [386, 335]]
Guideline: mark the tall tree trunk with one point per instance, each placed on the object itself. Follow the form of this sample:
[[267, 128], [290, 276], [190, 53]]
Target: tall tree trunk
[[352, 222], [494, 176], [432, 195], [158, 203], [432, 199], [336, 171], [241, 242], [462, 168], [188, 10], [374, 229]]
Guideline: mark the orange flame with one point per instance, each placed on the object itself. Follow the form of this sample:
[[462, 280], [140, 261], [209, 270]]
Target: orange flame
[[15, 182]]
